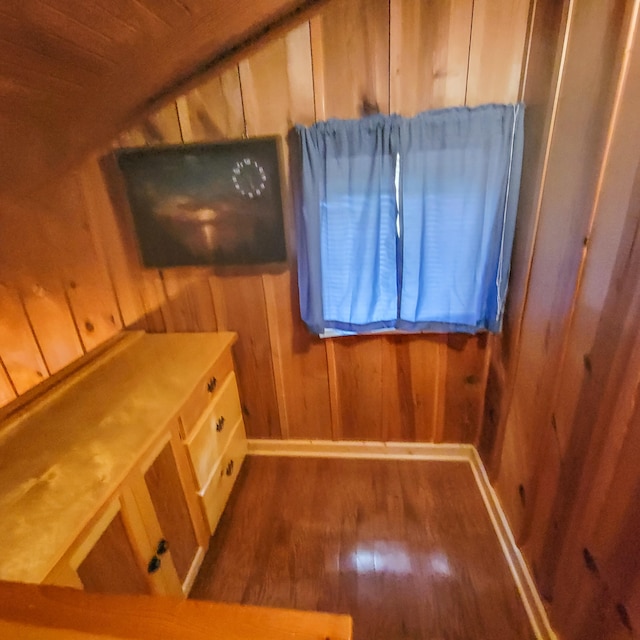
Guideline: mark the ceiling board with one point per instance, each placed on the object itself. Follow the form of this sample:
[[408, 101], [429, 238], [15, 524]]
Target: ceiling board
[[73, 73]]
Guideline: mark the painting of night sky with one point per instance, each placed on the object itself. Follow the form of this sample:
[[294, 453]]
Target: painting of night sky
[[203, 204]]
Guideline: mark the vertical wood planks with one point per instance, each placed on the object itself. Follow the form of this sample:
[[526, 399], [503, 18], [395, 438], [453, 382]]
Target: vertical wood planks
[[606, 497], [350, 51], [568, 471], [497, 47], [188, 299], [617, 199], [139, 290], [584, 106], [607, 493], [413, 388], [359, 379], [51, 319], [176, 299], [31, 266], [495, 62], [353, 57], [543, 62], [213, 110], [244, 310], [121, 263], [7, 390], [189, 304], [19, 351], [86, 280], [278, 92], [429, 54], [466, 381], [539, 93], [584, 413], [161, 127]]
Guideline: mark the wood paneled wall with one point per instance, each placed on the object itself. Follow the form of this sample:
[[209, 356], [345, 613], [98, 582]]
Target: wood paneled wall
[[562, 428], [75, 277]]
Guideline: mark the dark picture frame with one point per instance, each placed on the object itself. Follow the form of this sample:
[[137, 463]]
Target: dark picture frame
[[206, 204]]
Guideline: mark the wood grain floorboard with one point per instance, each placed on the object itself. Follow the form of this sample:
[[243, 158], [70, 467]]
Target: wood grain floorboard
[[405, 547]]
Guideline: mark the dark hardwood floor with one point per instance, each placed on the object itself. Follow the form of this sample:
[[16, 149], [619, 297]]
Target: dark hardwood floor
[[405, 547]]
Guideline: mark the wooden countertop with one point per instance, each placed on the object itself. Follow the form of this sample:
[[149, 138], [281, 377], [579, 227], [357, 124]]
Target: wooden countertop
[[64, 458], [39, 612]]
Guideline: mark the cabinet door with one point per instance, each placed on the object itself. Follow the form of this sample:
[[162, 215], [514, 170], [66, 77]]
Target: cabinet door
[[153, 547], [111, 565], [104, 558], [170, 505], [150, 538], [171, 512]]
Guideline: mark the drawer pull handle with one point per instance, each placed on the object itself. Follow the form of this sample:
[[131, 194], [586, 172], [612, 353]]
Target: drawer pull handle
[[229, 469], [220, 424], [154, 564], [212, 384], [163, 547]]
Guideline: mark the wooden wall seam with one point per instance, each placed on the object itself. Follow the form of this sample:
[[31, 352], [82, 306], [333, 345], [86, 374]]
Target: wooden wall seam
[[466, 81], [516, 313], [8, 391], [317, 55], [33, 334], [103, 256], [274, 339]]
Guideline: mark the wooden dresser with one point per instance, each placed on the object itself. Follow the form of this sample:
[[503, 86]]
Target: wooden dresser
[[114, 480]]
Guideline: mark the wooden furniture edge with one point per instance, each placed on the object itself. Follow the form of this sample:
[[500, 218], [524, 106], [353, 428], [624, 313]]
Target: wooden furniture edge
[[55, 383], [51, 609], [525, 584]]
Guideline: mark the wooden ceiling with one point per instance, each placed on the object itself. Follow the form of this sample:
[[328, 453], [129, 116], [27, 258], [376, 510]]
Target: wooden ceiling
[[74, 73]]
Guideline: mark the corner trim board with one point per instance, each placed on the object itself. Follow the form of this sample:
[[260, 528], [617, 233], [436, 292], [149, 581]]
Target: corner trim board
[[519, 570], [429, 451]]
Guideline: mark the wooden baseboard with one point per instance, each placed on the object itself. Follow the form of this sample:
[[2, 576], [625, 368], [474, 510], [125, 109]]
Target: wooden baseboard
[[519, 570], [429, 451], [360, 449]]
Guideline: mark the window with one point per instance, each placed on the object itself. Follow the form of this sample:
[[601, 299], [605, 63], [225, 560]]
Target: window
[[407, 223]]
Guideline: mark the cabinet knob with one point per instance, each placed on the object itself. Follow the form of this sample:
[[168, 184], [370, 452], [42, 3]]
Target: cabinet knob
[[229, 469], [163, 547], [212, 384], [220, 424], [154, 564]]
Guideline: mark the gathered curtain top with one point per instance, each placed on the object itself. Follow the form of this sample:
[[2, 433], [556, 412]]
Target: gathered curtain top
[[450, 116], [407, 223]]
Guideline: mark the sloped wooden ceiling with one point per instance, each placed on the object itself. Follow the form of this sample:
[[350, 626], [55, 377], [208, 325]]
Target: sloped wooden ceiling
[[73, 73]]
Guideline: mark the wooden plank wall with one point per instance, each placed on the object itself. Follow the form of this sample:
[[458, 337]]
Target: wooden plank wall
[[561, 431], [352, 57]]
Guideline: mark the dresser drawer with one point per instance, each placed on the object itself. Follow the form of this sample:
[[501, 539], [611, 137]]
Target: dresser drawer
[[210, 436], [206, 390], [215, 495]]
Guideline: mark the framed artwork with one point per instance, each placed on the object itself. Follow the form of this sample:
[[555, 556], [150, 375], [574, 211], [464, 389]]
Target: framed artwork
[[202, 204]]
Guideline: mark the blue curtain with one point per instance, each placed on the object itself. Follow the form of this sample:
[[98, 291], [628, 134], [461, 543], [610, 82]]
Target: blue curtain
[[408, 223], [347, 264], [459, 183]]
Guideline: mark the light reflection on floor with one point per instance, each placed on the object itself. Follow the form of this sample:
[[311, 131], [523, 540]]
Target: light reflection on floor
[[393, 558]]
